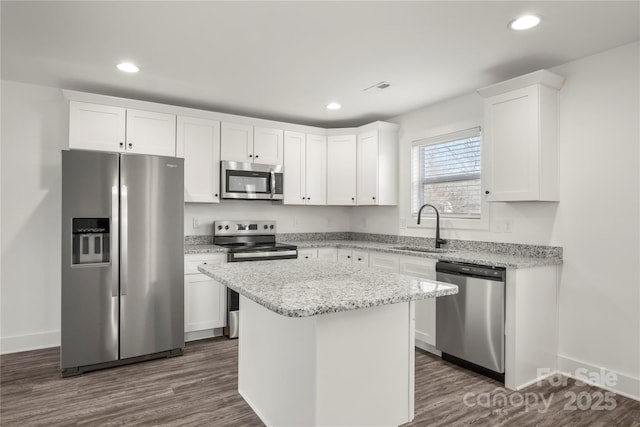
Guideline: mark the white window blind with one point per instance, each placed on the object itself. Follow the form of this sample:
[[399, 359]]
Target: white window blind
[[445, 172]]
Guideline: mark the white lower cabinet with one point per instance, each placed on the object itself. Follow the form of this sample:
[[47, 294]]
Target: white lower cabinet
[[385, 262], [426, 308], [330, 254], [205, 302], [308, 253], [353, 256]]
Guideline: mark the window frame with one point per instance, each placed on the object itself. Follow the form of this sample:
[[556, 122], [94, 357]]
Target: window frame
[[428, 219]]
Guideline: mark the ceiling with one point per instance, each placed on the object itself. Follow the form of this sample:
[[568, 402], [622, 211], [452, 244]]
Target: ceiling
[[286, 60]]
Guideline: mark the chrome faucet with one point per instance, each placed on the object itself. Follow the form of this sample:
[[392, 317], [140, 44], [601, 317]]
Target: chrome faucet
[[439, 241]]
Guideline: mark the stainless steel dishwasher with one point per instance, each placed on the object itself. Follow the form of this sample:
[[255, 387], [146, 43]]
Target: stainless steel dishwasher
[[470, 324]]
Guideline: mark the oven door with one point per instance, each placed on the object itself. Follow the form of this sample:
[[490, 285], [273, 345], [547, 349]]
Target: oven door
[[251, 181], [262, 254]]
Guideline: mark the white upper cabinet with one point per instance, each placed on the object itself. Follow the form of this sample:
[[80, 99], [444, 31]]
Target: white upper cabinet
[[151, 133], [367, 168], [116, 129], [520, 141], [341, 170], [96, 127], [305, 165], [316, 170], [236, 142], [198, 141], [246, 143], [377, 165], [268, 146]]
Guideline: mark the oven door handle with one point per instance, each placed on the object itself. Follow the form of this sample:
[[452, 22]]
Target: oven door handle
[[242, 255], [273, 182]]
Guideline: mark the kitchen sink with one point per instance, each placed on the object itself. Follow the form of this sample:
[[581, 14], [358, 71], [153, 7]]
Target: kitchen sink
[[423, 249]]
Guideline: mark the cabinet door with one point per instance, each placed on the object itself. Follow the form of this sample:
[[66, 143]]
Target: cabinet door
[[307, 253], [426, 308], [198, 141], [387, 262], [205, 303], [149, 132], [316, 170], [236, 142], [360, 258], [330, 254], [268, 147], [367, 168], [192, 261], [511, 145], [294, 166], [344, 255], [96, 127], [341, 170]]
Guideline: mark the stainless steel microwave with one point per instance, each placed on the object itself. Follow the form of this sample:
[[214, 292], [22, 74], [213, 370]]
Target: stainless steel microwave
[[251, 181]]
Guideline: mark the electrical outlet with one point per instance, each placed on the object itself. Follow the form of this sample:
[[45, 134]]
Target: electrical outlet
[[196, 222], [403, 222], [508, 226]]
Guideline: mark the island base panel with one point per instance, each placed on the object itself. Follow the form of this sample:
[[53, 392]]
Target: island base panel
[[352, 368]]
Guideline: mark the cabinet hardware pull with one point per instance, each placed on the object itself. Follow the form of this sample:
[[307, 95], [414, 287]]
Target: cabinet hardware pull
[[348, 256], [374, 197], [257, 156], [122, 144], [130, 145], [250, 155], [215, 195], [359, 259], [353, 198], [486, 192]]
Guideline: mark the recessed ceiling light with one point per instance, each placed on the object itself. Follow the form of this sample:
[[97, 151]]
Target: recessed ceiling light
[[333, 106], [524, 22], [128, 67]]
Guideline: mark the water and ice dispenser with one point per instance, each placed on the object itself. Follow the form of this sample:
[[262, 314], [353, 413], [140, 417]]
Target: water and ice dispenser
[[90, 241]]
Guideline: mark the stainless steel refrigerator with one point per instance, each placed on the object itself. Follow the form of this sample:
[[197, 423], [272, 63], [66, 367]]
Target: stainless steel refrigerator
[[122, 259]]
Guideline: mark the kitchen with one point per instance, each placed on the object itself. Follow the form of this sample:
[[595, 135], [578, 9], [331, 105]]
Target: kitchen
[[598, 126]]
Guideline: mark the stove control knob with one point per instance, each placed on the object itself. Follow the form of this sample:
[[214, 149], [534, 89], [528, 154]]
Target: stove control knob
[[219, 227], [226, 227], [266, 226], [271, 226]]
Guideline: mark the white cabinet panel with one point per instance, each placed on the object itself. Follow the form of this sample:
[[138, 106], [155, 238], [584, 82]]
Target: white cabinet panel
[[330, 254], [205, 302], [268, 146], [387, 262], [341, 170], [198, 141], [236, 142], [149, 132], [295, 170], [520, 139], [316, 170], [96, 127], [426, 308], [367, 168], [344, 255], [355, 257], [308, 253]]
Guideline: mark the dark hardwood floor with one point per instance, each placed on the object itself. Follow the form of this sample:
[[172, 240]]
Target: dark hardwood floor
[[200, 389]]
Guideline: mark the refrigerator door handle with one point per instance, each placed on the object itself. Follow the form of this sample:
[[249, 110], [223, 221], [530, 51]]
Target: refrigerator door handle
[[123, 240], [115, 261], [273, 182]]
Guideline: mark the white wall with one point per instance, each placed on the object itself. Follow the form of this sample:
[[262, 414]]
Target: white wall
[[290, 219], [34, 130]]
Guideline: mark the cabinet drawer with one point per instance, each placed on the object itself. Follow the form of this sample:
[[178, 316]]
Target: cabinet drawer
[[192, 261], [360, 257], [328, 254], [307, 253], [385, 262]]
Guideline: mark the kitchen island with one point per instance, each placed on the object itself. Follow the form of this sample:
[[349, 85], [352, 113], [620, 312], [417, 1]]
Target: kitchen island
[[325, 343]]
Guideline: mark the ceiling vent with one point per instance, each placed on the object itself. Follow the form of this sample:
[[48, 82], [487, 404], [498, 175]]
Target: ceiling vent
[[378, 87]]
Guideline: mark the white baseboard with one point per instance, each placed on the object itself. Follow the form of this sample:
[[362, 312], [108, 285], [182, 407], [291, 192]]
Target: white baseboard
[[427, 347], [27, 342], [625, 385], [200, 335]]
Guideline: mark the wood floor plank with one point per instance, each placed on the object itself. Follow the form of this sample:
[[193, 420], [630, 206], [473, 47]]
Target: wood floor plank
[[200, 389]]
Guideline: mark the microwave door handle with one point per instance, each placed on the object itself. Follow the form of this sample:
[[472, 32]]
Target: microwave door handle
[[273, 182]]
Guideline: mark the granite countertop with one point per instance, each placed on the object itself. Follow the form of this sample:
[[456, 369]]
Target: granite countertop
[[481, 257], [302, 288]]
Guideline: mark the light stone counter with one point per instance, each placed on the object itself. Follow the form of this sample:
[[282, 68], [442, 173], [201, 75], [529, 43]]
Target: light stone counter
[[301, 288]]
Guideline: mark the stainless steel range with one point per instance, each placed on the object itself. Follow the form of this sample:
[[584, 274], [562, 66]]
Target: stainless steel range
[[248, 241]]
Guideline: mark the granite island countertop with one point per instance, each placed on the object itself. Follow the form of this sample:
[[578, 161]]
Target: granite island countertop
[[506, 260], [302, 288]]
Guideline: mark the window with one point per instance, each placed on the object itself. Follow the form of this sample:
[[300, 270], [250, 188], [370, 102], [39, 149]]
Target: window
[[445, 172]]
